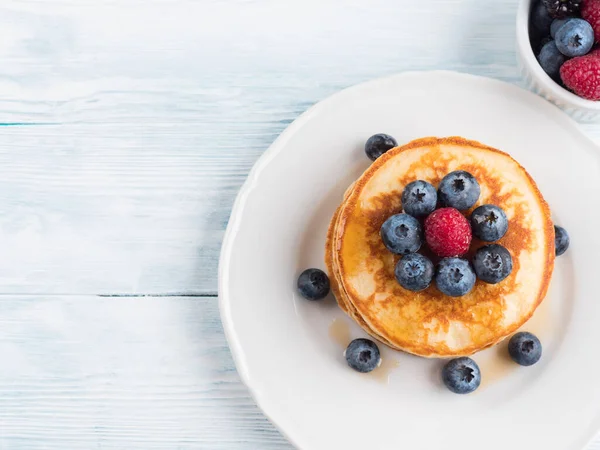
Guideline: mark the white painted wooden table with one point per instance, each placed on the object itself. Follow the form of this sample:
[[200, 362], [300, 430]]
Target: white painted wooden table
[[127, 128]]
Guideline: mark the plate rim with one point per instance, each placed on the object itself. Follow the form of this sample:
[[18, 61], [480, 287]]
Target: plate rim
[[273, 150]]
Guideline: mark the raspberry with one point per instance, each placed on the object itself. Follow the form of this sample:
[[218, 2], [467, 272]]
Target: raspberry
[[590, 11], [448, 232], [582, 75]]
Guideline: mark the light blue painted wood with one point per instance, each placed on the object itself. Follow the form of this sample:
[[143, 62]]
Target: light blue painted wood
[[127, 130], [150, 373], [145, 121]]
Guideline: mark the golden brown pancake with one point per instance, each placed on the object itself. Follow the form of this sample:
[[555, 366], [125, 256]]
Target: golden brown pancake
[[429, 323]]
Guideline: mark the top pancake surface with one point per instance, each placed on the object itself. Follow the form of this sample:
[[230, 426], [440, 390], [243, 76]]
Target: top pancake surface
[[429, 323]]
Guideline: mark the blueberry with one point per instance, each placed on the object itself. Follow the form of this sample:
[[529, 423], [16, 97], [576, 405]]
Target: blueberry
[[402, 234], [525, 349], [459, 190], [362, 355], [540, 17], [454, 277], [492, 263], [419, 198], [561, 240], [414, 272], [575, 38], [378, 144], [313, 284], [489, 223], [556, 24], [461, 375], [550, 58]]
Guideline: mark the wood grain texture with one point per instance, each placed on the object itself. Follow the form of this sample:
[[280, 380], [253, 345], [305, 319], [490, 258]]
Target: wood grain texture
[[88, 372], [126, 130], [111, 209], [133, 128]]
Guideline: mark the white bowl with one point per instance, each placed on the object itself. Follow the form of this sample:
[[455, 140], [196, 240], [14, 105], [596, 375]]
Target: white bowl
[[539, 82]]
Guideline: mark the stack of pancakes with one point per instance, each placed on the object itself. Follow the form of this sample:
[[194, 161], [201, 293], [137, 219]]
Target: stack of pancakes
[[429, 323]]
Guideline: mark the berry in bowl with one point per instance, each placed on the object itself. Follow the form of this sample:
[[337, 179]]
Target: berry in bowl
[[559, 53]]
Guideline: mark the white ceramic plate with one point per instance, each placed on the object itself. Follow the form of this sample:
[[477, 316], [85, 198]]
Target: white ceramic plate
[[289, 351]]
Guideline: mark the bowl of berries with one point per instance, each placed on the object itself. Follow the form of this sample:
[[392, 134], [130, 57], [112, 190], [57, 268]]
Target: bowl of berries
[[558, 48]]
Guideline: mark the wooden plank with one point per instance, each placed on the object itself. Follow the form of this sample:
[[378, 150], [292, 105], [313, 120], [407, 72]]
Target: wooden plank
[[137, 373], [115, 208], [138, 137], [149, 373], [112, 208]]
